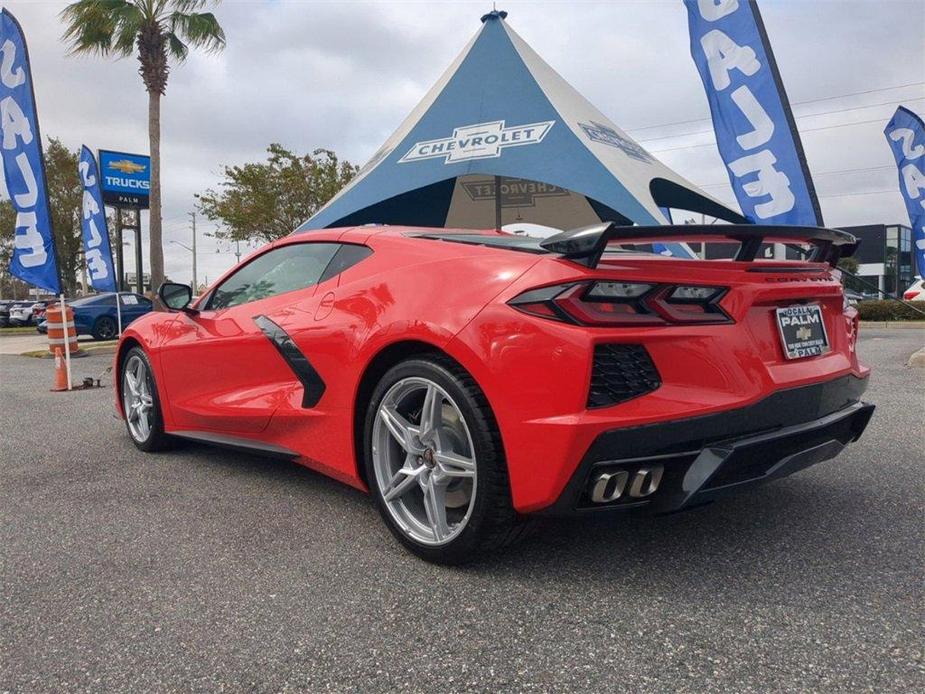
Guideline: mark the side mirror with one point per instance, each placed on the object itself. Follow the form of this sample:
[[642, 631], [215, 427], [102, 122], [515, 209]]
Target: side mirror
[[175, 296]]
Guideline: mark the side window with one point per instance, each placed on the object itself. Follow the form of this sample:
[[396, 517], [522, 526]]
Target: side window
[[348, 256], [284, 269]]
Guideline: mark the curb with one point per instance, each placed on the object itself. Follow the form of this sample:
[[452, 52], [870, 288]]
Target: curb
[[84, 351], [900, 325], [918, 359]]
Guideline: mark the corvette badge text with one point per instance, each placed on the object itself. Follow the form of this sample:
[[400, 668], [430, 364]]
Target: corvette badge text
[[478, 141]]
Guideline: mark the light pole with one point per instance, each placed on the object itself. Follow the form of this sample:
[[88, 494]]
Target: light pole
[[191, 249], [195, 282]]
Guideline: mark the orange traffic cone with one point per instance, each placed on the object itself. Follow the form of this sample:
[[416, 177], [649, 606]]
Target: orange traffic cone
[[60, 371]]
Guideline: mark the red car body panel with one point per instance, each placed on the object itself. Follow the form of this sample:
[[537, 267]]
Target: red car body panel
[[217, 372]]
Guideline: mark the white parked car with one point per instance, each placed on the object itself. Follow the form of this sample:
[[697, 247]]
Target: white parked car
[[916, 292]]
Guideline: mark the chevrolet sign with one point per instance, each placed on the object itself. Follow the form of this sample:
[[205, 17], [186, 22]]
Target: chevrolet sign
[[125, 179]]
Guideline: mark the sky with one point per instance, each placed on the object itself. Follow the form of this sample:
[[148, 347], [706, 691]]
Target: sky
[[343, 75]]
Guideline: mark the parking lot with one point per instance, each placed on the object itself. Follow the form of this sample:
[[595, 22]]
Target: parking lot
[[203, 569]]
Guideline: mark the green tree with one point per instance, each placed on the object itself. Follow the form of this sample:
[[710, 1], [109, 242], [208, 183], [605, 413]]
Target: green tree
[[10, 287], [264, 201], [155, 30], [64, 198], [849, 264]]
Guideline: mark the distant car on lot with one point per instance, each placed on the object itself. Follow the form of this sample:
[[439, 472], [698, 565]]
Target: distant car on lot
[[38, 310], [5, 313], [916, 292], [852, 297], [28, 313], [96, 315], [22, 313]]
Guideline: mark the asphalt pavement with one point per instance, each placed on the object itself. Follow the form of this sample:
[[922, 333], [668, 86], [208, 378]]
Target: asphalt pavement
[[203, 569]]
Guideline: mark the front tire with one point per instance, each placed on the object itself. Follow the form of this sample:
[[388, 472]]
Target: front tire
[[435, 463], [140, 403]]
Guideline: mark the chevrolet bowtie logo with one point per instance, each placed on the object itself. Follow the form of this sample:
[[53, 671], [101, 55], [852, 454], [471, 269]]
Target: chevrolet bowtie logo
[[478, 141], [804, 333], [126, 166]]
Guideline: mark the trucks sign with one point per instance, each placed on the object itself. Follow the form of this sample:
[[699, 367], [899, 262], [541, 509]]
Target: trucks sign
[[125, 179]]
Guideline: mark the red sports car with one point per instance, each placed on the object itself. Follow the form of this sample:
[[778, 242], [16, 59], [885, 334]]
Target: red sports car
[[472, 379]]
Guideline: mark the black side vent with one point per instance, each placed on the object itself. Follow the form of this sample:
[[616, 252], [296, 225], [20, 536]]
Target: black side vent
[[621, 373], [311, 380]]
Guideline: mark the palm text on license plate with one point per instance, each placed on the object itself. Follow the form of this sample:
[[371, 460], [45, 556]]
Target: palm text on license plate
[[802, 331]]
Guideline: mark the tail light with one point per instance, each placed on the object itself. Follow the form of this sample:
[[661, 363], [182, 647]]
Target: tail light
[[911, 294], [615, 303]]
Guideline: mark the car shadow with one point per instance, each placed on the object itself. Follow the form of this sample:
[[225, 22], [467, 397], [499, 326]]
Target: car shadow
[[783, 529], [733, 541]]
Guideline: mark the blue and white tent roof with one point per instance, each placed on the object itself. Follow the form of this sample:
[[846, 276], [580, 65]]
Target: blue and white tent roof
[[500, 110]]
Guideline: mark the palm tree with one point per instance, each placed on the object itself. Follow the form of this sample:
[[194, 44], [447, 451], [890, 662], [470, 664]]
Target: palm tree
[[158, 30]]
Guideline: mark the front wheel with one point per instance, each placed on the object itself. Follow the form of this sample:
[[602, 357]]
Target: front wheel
[[435, 463], [140, 403]]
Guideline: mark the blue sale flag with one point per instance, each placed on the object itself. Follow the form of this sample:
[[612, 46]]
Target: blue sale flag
[[93, 225], [906, 134], [34, 259], [755, 130]]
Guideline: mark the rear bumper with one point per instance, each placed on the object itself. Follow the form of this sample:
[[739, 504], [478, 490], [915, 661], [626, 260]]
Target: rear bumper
[[702, 458]]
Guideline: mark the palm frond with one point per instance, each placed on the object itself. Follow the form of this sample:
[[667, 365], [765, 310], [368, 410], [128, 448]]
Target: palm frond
[[187, 6], [176, 47], [101, 26], [199, 29], [112, 27]]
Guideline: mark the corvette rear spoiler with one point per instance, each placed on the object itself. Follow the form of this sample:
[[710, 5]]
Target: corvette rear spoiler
[[587, 244]]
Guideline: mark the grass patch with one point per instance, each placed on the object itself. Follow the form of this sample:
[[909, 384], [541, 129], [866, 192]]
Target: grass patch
[[24, 330], [104, 347]]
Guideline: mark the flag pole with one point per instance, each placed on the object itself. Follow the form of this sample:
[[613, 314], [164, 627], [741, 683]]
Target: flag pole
[[67, 340], [119, 311], [788, 113]]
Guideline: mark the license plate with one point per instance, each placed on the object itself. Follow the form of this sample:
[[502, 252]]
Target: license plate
[[802, 331]]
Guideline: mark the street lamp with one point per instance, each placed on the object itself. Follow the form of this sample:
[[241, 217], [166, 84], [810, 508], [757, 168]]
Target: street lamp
[[193, 251]]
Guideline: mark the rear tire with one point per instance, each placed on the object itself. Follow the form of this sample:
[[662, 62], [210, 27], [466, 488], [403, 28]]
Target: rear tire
[[104, 328], [444, 473], [140, 403]]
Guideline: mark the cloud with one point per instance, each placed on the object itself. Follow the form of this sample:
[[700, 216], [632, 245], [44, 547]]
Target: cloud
[[344, 75]]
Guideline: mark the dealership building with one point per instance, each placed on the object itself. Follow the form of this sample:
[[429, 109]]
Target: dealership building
[[885, 256]]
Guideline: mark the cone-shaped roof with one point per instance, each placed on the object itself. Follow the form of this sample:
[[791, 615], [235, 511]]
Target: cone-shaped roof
[[500, 110]]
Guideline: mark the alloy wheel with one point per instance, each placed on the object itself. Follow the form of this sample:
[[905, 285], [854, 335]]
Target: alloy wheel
[[106, 329], [137, 400], [424, 461]]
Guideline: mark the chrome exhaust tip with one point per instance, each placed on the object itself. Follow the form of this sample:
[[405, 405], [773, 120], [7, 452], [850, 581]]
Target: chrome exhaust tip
[[626, 484]]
